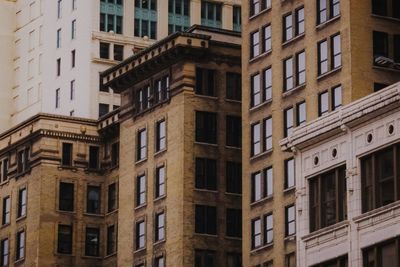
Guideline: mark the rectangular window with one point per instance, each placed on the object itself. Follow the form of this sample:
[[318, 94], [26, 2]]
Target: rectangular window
[[111, 14], [20, 246], [255, 90], [103, 109], [66, 154], [140, 235], [59, 6], [140, 190], [255, 139], [22, 200], [267, 134], [301, 113], [57, 97], [255, 44], [256, 6], [288, 74], [289, 122], [267, 76], [233, 259], [233, 177], [267, 45], [234, 86], [379, 177], [322, 57], [73, 4], [105, 50], [111, 239], [290, 220], [211, 14], [160, 182], [92, 242], [73, 29], [328, 198], [162, 86], [5, 252], [159, 227], [289, 173], [261, 184], [380, 44], [327, 10], [234, 222], [145, 18], [94, 155], [205, 258], [300, 68], [256, 233], [93, 196], [206, 127], [268, 229], [206, 174], [336, 97], [205, 82], [118, 52], [72, 90], [287, 27], [256, 193], [4, 170], [337, 262], [73, 53], [115, 154], [336, 52], [23, 160], [233, 131], [237, 18], [299, 21], [178, 15], [141, 152], [159, 262], [290, 260], [58, 68], [112, 197], [58, 38], [382, 254], [205, 219], [6, 218], [66, 197], [161, 135], [64, 240], [323, 106]]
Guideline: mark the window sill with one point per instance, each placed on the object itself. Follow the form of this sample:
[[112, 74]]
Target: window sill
[[293, 40], [290, 238], [21, 174], [261, 155], [66, 212], [385, 69], [66, 167], [110, 255], [92, 257], [211, 97], [159, 153], [326, 23], [139, 250], [21, 218], [141, 161], [392, 19], [206, 235], [259, 13], [329, 73], [293, 90], [205, 190], [262, 55], [326, 230], [92, 170], [289, 189], [160, 198], [233, 238], [205, 144], [5, 182], [98, 215], [159, 242], [233, 194], [260, 201], [377, 211], [59, 254], [258, 249], [265, 103], [19, 261], [111, 212], [5, 225], [233, 147], [233, 101], [142, 206]]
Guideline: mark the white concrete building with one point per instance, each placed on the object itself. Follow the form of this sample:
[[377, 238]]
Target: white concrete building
[[348, 184], [53, 50]]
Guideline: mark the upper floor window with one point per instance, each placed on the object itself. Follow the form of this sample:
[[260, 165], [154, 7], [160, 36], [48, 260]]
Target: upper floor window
[[206, 174], [22, 200], [20, 246], [261, 184], [379, 176], [66, 197], [118, 52], [294, 116], [160, 182], [161, 135], [290, 220], [328, 198], [141, 190], [205, 82], [66, 154], [94, 157], [141, 148], [259, 95], [335, 100], [178, 15], [255, 44], [262, 231], [289, 173], [64, 240], [104, 50], [111, 14], [327, 9], [159, 261], [326, 63], [112, 197], [233, 259], [256, 6], [159, 227], [140, 235], [294, 71], [211, 14], [205, 258], [260, 41], [205, 219], [4, 170], [237, 18], [234, 222], [261, 137], [206, 127], [385, 253], [146, 18], [115, 154], [233, 131], [59, 8], [6, 214], [293, 24], [233, 86], [384, 53], [73, 29], [58, 72], [5, 252], [93, 199], [387, 8], [233, 177], [23, 160], [92, 242], [111, 239]]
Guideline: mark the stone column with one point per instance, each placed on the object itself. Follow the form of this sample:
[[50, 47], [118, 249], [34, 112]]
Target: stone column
[[195, 12], [162, 19], [227, 16]]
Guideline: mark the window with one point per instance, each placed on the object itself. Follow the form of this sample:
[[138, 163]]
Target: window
[[267, 134], [92, 242], [94, 152], [5, 252], [268, 229], [335, 52], [322, 57], [140, 235], [290, 220], [205, 82], [335, 100], [327, 9], [267, 45], [206, 127], [294, 116], [23, 160], [259, 145], [255, 44], [261, 184], [234, 86], [59, 6], [161, 135], [20, 246], [111, 14], [255, 90], [336, 97], [205, 219], [93, 199], [160, 182], [299, 21], [161, 89], [118, 52], [233, 259], [206, 174], [6, 218], [72, 90], [146, 18], [234, 222], [288, 74], [382, 254], [237, 18], [140, 190], [379, 86], [205, 258], [289, 123], [103, 109], [159, 261], [267, 76], [4, 170], [258, 96], [256, 6], [64, 240], [57, 98], [73, 4], [301, 113], [299, 67], [211, 14], [58, 67], [66, 154], [141, 150], [59, 38], [328, 198], [287, 27], [338, 262], [105, 50], [111, 239], [112, 197], [323, 106], [66, 197], [159, 227], [115, 154], [255, 139], [22, 199], [234, 131], [73, 29], [233, 177], [379, 175], [293, 24], [256, 233], [289, 173], [178, 15], [73, 53], [290, 260]]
